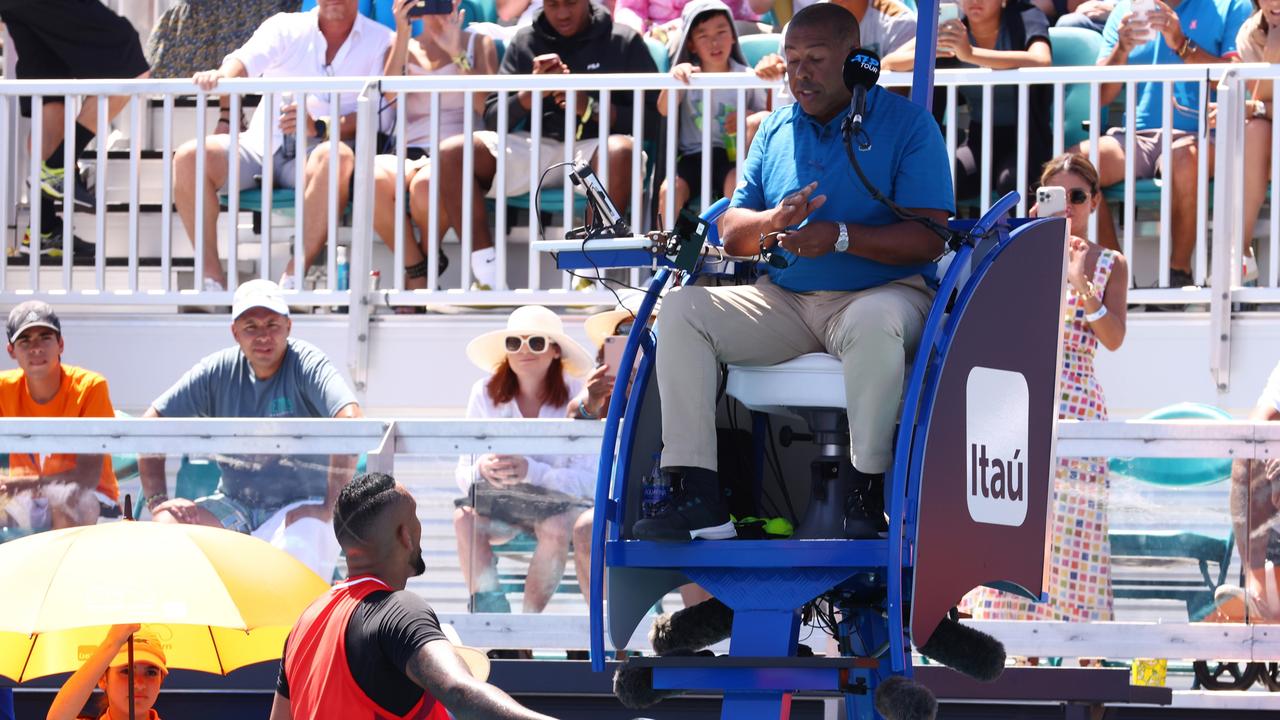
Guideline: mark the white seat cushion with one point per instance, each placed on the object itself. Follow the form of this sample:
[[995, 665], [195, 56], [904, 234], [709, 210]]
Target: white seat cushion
[[811, 380]]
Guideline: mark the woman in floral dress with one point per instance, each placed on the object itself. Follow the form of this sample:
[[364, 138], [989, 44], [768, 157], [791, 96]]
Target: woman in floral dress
[[1097, 280]]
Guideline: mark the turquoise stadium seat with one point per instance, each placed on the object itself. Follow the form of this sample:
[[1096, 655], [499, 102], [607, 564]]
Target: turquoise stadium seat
[[755, 47], [912, 5], [282, 199], [659, 53], [1178, 472], [1073, 47]]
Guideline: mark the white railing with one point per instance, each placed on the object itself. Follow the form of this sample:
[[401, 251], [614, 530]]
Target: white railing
[[383, 439], [68, 285]]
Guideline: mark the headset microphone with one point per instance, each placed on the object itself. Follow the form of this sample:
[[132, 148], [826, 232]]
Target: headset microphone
[[861, 73]]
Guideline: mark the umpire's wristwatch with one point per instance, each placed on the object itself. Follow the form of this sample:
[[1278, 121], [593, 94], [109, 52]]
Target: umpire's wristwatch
[[842, 242]]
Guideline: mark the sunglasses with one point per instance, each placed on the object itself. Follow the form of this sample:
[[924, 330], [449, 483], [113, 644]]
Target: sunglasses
[[536, 343], [1078, 196]]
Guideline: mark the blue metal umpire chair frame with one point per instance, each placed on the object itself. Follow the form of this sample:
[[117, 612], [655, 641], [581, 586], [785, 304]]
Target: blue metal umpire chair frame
[[736, 571], [766, 581]]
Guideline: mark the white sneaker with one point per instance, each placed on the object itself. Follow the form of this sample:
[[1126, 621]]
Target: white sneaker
[[288, 282], [1249, 273], [212, 286]]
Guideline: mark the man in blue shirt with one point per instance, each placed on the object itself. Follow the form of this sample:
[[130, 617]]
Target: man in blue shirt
[[857, 284], [1188, 32]]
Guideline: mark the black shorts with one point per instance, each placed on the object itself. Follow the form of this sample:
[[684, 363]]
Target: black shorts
[[689, 169], [72, 40]]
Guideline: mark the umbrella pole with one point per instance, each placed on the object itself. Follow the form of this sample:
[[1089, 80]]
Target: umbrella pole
[[131, 678]]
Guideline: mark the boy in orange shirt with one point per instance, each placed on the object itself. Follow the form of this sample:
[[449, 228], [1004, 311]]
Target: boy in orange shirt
[[50, 491]]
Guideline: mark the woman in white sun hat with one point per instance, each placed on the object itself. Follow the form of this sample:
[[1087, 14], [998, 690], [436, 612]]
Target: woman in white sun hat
[[535, 369]]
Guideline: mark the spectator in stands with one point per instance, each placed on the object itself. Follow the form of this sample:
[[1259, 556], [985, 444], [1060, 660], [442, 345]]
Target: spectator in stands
[[998, 36], [1255, 501], [568, 36], [442, 47], [642, 15], [1193, 32], [1087, 15], [592, 403], [50, 491], [331, 39], [1257, 43], [534, 367], [286, 500], [1098, 281], [108, 668], [709, 43], [194, 35], [68, 40]]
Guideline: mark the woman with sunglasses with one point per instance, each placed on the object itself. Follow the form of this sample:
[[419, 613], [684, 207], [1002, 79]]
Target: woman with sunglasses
[[534, 370], [1097, 285]]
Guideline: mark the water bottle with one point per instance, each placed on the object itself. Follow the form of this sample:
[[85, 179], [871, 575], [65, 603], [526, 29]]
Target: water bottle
[[657, 491], [344, 269], [289, 147]]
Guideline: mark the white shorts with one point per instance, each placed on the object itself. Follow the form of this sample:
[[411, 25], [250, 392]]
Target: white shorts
[[520, 153]]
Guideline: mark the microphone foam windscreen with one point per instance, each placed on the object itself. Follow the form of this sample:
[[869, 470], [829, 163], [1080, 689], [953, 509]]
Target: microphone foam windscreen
[[692, 628], [898, 698], [861, 69], [965, 650]]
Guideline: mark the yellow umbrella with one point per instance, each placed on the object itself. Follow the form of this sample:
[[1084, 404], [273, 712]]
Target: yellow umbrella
[[218, 600]]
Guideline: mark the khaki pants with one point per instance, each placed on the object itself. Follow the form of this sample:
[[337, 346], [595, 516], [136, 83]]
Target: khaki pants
[[872, 331]]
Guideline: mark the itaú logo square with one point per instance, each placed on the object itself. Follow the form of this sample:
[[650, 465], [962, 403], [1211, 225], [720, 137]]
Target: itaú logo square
[[996, 421]]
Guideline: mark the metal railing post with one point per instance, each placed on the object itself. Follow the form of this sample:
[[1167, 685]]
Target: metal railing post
[[361, 239], [1230, 136]]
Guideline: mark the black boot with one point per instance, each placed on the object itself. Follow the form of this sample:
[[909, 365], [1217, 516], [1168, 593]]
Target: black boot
[[696, 509], [864, 514]]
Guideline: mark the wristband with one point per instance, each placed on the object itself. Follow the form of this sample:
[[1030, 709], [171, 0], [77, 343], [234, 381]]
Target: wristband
[[1097, 315], [1187, 48], [584, 413], [462, 62], [155, 500]]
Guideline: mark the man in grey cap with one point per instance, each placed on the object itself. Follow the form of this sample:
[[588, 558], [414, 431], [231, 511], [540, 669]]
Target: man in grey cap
[[286, 500], [43, 491]]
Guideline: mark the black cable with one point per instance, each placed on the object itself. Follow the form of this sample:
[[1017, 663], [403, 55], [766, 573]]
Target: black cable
[[951, 240], [777, 464]]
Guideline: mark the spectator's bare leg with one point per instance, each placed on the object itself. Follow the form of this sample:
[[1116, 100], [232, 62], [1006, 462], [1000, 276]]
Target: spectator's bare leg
[[185, 188], [52, 136], [474, 553], [451, 184], [692, 594], [384, 216], [1257, 174], [315, 199], [619, 170], [582, 550], [730, 183], [1110, 172], [682, 197], [1186, 173], [203, 517], [546, 568], [753, 126], [420, 210], [71, 506]]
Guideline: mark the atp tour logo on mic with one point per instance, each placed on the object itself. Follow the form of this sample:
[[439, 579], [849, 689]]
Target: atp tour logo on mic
[[869, 62], [996, 428]]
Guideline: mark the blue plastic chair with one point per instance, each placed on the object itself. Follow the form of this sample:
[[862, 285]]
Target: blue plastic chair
[[755, 47], [1177, 472], [1073, 47]]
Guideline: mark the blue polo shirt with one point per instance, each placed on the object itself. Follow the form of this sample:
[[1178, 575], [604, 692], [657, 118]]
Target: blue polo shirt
[[1212, 24], [907, 161]]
